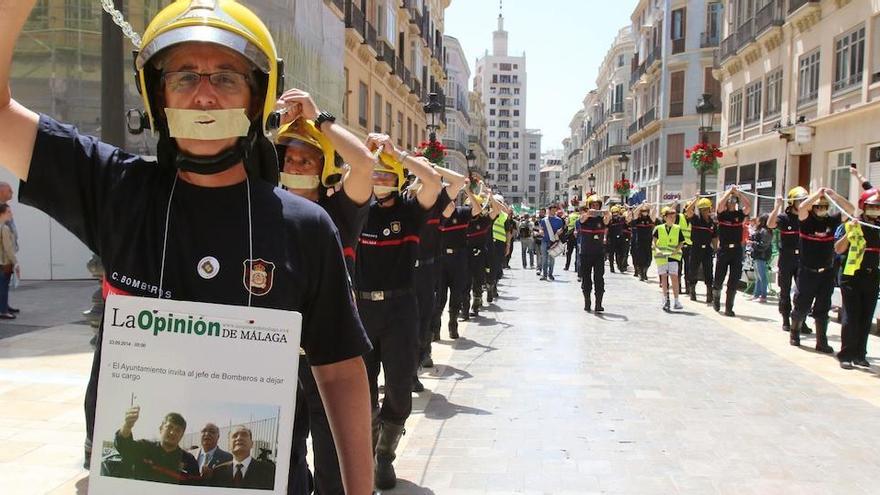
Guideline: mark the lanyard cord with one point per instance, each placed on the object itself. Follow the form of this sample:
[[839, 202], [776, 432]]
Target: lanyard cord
[[250, 239]]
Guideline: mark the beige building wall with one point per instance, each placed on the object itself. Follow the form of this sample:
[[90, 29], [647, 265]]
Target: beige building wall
[[393, 60], [478, 137], [816, 69]]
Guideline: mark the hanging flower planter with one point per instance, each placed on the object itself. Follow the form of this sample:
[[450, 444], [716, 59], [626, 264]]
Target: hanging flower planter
[[704, 157], [434, 151], [623, 187]]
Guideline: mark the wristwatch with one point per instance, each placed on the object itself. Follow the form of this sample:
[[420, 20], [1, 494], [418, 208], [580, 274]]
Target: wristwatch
[[324, 117]]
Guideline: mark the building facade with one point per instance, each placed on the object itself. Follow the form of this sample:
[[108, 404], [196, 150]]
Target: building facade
[[800, 88], [672, 68], [394, 58], [458, 120], [478, 138], [552, 181], [501, 80]]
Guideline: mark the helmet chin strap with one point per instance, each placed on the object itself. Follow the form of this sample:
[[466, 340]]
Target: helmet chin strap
[[210, 165]]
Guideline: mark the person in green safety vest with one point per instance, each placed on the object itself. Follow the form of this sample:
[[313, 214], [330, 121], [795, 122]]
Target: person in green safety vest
[[498, 253], [571, 239], [667, 245], [859, 280], [685, 225]]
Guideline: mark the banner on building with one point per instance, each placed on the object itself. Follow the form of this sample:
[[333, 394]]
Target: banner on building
[[170, 371]]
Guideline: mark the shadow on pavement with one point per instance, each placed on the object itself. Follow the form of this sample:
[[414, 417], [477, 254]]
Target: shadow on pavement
[[683, 313], [611, 317], [446, 371], [464, 344], [753, 318], [405, 487], [440, 408]]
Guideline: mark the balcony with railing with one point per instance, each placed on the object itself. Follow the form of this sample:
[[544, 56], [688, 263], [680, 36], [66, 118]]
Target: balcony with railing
[[617, 107], [339, 4], [355, 19], [456, 145], [771, 15], [745, 33], [728, 48], [384, 52], [372, 38], [709, 40]]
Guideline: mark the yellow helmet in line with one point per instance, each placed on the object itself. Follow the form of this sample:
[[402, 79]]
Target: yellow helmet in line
[[704, 203], [797, 194], [390, 165], [594, 198], [224, 23], [666, 210], [304, 131]]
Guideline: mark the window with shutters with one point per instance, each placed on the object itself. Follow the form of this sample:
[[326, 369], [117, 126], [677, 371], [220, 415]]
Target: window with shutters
[[840, 175], [676, 94], [377, 112], [675, 154], [735, 109], [773, 91], [679, 30], [363, 102], [849, 60], [753, 103], [712, 86], [808, 77]]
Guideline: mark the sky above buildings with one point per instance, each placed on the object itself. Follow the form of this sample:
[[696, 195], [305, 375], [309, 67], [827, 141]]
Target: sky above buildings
[[564, 41]]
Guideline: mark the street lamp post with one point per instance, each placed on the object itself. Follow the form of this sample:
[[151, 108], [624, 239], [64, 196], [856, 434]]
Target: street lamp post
[[432, 108], [624, 164], [706, 109], [471, 160], [592, 181]]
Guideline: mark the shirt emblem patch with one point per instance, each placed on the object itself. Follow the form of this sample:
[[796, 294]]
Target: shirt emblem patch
[[208, 267], [258, 280], [386, 232], [395, 227]]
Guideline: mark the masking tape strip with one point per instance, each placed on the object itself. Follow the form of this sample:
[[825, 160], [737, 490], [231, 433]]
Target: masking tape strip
[[296, 181], [207, 125]]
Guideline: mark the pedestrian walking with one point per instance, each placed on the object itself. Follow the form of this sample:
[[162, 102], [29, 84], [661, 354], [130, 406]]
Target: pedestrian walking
[[643, 228], [788, 264], [592, 228], [552, 227], [704, 237], [479, 237], [761, 249], [570, 237], [733, 208], [8, 261], [667, 247], [685, 225], [527, 241], [617, 240]]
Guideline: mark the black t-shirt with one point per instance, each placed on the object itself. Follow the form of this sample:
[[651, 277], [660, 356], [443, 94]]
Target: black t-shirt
[[479, 230], [643, 227], [789, 226], [817, 240], [616, 229], [591, 234], [453, 230], [702, 231], [150, 462], [730, 227], [116, 204], [871, 258], [429, 234], [389, 246], [348, 217]]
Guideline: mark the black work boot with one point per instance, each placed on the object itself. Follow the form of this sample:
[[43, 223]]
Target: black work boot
[[599, 308], [489, 295], [794, 333], [786, 323], [417, 385], [822, 337], [427, 361], [710, 295], [453, 326], [476, 305], [386, 447], [728, 303], [587, 302], [693, 292], [465, 312], [716, 300], [805, 329], [376, 426]]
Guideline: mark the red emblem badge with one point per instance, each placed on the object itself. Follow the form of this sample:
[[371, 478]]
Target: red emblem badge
[[258, 276]]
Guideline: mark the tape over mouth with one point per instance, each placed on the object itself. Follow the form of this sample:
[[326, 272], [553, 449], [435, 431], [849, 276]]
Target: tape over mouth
[[297, 181], [207, 125]]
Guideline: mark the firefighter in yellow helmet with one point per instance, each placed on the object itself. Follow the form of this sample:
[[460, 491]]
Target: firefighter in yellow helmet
[[643, 227], [784, 217], [591, 229], [617, 240], [203, 221], [704, 238]]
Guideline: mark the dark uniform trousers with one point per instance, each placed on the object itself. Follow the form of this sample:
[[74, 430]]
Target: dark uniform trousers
[[452, 283], [814, 289], [729, 259], [859, 293], [499, 251], [686, 263], [786, 278], [592, 271], [392, 326], [426, 293], [617, 253], [642, 255], [477, 267], [570, 244], [311, 417], [700, 259]]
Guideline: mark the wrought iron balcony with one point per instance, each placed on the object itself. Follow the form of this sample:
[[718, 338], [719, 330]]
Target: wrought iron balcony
[[355, 19], [728, 47], [770, 15], [709, 40], [794, 5]]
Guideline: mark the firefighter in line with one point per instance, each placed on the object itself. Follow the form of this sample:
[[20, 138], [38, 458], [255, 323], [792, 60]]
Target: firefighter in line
[[789, 251], [591, 229], [498, 250], [617, 239], [704, 238], [571, 239], [643, 224], [454, 253], [478, 241], [859, 278], [685, 226], [733, 209], [815, 281], [667, 247]]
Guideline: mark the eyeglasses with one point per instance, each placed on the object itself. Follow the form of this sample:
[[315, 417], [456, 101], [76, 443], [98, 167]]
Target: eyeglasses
[[230, 83]]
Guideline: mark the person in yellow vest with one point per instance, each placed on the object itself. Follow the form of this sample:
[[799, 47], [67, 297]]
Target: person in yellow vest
[[571, 239], [667, 245], [859, 281], [498, 253], [685, 225]]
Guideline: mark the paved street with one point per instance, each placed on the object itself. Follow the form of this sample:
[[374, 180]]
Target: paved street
[[540, 397]]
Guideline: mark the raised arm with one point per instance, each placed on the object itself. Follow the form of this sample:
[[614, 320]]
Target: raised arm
[[420, 167], [455, 182], [807, 204], [744, 201], [476, 207], [721, 207], [689, 211], [774, 214], [18, 123]]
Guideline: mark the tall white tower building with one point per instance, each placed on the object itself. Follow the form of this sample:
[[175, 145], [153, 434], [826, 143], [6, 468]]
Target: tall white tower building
[[501, 80]]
